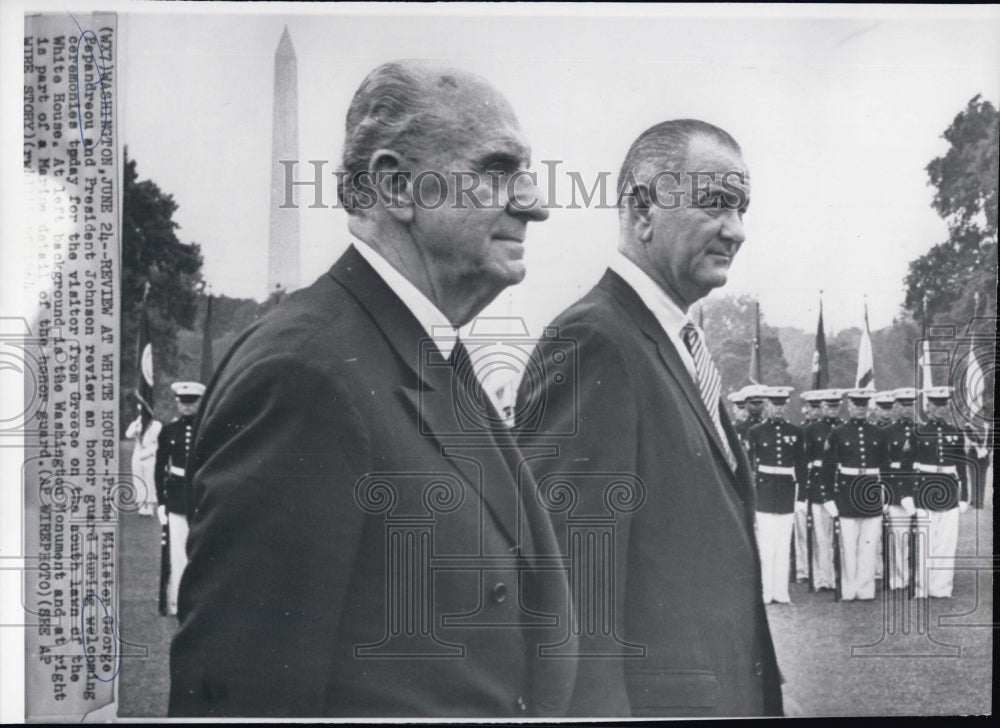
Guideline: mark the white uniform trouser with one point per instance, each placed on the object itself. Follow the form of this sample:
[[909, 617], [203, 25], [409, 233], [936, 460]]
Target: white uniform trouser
[[936, 575], [774, 541], [879, 559], [801, 547], [858, 555], [178, 557], [899, 548], [824, 576]]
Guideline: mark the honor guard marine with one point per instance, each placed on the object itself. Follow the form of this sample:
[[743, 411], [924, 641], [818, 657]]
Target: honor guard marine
[[753, 403], [885, 405], [173, 448], [941, 494], [899, 480], [854, 457], [777, 455], [738, 401]]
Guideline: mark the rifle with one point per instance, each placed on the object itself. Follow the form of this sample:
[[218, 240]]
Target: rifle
[[913, 555], [836, 558], [164, 567], [809, 542]]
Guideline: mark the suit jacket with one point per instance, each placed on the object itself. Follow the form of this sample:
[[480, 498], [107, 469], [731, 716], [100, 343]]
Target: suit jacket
[[352, 552], [690, 625]]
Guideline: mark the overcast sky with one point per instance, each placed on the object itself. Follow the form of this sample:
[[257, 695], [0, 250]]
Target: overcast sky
[[837, 117]]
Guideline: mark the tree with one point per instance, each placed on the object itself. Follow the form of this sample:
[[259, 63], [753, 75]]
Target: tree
[[966, 197], [729, 333], [152, 252]]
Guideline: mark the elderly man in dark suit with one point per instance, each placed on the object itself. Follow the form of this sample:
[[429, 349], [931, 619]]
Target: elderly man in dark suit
[[670, 617], [361, 542]]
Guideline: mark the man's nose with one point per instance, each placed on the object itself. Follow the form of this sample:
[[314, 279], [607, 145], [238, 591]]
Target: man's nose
[[525, 200], [732, 227]]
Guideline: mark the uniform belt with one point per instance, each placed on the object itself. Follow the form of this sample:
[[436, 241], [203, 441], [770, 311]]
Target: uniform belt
[[179, 472], [816, 464], [895, 466], [938, 469], [858, 471], [776, 470]]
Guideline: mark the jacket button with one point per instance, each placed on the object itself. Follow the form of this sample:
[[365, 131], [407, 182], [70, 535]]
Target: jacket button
[[758, 669], [500, 594], [520, 705]]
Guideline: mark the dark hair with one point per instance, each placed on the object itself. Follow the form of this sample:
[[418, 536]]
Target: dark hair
[[663, 148]]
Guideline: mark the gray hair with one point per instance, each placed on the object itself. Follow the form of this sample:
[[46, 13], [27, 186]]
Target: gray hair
[[663, 148], [392, 108]]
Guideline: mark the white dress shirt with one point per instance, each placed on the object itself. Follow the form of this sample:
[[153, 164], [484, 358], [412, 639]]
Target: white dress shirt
[[435, 323], [663, 307]]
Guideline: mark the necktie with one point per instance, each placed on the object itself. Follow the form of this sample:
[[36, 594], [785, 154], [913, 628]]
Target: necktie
[[709, 383], [471, 399]]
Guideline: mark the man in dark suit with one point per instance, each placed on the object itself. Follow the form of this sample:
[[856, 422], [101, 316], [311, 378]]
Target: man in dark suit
[[671, 616], [362, 540]]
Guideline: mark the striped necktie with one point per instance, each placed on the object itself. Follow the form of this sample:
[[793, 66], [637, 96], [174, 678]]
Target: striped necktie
[[709, 383]]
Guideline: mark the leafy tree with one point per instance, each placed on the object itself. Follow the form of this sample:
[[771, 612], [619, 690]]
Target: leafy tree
[[966, 197], [151, 252], [729, 331]]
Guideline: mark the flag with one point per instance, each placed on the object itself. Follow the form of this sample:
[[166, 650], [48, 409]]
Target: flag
[[207, 365], [754, 374], [144, 364], [927, 380], [865, 378], [820, 367]]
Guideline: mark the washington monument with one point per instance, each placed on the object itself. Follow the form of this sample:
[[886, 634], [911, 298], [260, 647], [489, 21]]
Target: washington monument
[[283, 252]]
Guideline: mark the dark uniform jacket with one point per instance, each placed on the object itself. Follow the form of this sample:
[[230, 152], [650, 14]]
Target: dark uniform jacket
[[742, 428], [855, 445], [622, 433], [900, 478], [354, 551], [780, 445], [940, 447], [816, 434], [172, 448]]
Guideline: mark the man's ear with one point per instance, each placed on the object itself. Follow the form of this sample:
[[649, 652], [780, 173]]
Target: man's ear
[[391, 184], [639, 209]]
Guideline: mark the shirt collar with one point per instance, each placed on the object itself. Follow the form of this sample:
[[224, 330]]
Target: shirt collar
[[435, 323], [664, 308]]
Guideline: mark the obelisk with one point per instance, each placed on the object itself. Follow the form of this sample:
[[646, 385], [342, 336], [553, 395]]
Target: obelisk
[[283, 252]]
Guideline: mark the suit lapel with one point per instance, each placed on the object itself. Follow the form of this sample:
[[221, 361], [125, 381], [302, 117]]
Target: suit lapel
[[616, 286], [430, 395]]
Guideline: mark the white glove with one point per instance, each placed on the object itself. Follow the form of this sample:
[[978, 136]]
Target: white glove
[[908, 507], [161, 514], [831, 508], [800, 507], [963, 506]]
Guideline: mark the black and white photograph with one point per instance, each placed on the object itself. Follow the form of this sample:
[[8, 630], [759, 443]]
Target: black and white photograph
[[497, 362]]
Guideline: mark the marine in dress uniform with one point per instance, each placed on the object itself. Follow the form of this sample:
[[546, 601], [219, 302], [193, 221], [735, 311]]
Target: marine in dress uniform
[[738, 401], [816, 433], [885, 405], [753, 403], [884, 417], [173, 448], [812, 411], [854, 457], [899, 481], [941, 494], [777, 455]]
